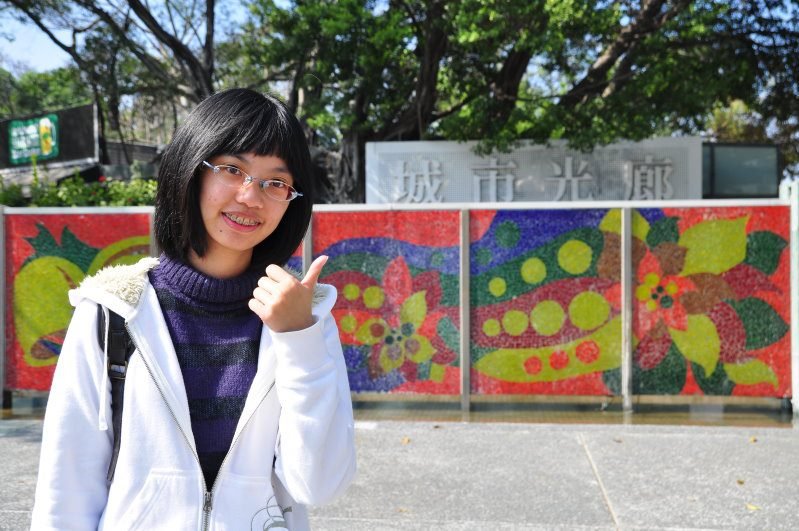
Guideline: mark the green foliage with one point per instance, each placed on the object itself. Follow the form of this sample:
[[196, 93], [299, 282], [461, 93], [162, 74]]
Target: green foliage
[[500, 71], [131, 193], [74, 191], [11, 195], [34, 92]]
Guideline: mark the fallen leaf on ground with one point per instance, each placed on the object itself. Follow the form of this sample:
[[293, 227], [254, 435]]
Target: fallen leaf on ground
[[406, 440], [752, 439], [740, 482], [752, 508]]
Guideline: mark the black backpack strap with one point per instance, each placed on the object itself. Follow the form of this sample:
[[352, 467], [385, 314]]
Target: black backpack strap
[[120, 349]]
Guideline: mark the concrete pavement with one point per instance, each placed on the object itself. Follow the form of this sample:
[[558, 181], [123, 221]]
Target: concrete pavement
[[465, 476]]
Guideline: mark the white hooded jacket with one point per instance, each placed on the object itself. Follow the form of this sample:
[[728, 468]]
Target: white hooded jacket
[[297, 415]]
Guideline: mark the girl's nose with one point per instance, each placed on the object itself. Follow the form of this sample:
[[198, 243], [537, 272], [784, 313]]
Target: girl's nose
[[249, 193]]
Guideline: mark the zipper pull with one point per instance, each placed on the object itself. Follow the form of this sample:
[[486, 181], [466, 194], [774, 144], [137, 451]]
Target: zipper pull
[[207, 505]]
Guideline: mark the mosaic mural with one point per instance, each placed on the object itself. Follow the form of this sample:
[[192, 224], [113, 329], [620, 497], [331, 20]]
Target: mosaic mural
[[46, 256], [397, 310], [711, 302], [545, 301], [710, 314]]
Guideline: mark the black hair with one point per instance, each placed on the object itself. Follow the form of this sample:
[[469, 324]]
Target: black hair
[[231, 122]]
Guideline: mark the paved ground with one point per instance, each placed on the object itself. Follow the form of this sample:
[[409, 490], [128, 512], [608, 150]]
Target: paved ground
[[465, 476]]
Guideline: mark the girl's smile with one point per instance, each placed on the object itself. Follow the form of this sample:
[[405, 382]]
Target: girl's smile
[[241, 222]]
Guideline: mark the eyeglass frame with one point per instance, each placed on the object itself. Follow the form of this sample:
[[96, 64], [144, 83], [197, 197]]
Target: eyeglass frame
[[249, 179]]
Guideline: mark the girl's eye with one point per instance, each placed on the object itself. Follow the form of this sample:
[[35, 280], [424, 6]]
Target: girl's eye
[[280, 185], [232, 170]]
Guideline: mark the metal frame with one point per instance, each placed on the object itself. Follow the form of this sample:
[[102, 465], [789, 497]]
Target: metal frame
[[793, 197], [5, 396], [626, 310], [465, 314]]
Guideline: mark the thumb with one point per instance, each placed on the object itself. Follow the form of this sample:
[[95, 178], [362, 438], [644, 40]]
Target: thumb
[[314, 271]]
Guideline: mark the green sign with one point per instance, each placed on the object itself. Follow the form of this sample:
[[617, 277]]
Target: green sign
[[35, 138]]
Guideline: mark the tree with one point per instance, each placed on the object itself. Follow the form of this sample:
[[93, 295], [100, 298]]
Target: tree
[[173, 40], [155, 56], [498, 71], [503, 70], [34, 92]]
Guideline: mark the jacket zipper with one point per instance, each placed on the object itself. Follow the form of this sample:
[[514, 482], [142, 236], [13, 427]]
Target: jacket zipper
[[208, 494]]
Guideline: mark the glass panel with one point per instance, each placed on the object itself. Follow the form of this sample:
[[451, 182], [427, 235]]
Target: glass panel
[[397, 276], [748, 171], [545, 301]]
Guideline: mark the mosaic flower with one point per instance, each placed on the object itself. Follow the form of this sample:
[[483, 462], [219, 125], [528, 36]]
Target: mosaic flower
[[400, 322], [397, 342], [659, 296]]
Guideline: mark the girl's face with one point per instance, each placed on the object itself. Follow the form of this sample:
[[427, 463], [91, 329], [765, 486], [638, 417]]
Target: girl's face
[[238, 217]]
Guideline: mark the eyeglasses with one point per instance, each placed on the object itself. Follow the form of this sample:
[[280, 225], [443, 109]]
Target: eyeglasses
[[236, 177]]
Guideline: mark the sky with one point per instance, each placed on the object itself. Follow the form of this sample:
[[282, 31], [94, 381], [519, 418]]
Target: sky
[[30, 48]]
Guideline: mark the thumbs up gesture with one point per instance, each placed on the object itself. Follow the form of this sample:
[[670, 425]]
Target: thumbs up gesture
[[284, 303]]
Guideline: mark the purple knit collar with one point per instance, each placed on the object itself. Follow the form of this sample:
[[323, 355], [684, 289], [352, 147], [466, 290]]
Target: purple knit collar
[[184, 279]]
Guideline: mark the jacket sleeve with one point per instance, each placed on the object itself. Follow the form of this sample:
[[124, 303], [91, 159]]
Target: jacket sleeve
[[316, 446], [72, 490]]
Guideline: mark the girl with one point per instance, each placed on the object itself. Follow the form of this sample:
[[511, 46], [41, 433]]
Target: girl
[[237, 408]]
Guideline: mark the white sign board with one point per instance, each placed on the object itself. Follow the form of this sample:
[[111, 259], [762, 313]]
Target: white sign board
[[450, 172]]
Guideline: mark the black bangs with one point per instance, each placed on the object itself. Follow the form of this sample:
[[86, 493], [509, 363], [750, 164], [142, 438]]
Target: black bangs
[[267, 130]]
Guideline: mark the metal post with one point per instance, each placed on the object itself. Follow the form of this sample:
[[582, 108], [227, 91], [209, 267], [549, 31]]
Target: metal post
[[626, 309], [3, 355], [465, 314], [307, 248], [793, 196]]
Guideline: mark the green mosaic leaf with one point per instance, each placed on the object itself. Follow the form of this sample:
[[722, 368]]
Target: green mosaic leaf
[[449, 334], [668, 378], [450, 290], [71, 248], [43, 244], [663, 230], [751, 373], [762, 324], [714, 246], [423, 370], [76, 251], [612, 380], [717, 384], [763, 250], [699, 342]]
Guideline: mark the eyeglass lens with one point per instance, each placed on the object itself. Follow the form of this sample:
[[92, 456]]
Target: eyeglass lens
[[274, 188]]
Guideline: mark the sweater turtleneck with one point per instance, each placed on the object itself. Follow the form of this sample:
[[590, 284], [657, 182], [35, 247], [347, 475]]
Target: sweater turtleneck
[[191, 284], [216, 338]]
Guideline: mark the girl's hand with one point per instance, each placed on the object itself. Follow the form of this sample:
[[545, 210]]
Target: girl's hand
[[284, 303]]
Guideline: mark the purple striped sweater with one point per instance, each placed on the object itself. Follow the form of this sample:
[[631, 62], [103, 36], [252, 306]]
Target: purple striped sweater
[[216, 338]]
